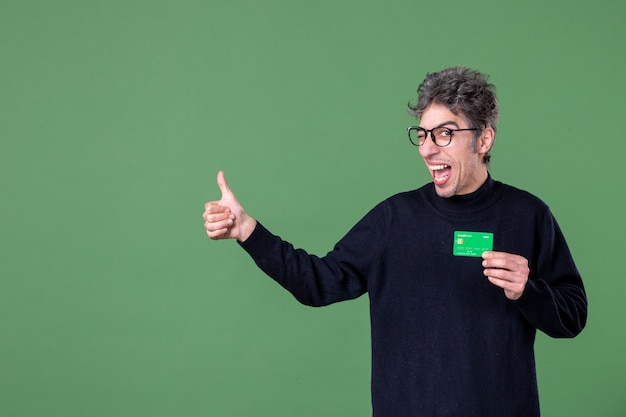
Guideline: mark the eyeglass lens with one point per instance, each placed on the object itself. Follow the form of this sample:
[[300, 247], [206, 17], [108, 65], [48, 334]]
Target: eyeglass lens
[[442, 136]]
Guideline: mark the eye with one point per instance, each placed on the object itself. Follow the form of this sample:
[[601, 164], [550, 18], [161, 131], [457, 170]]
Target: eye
[[443, 132]]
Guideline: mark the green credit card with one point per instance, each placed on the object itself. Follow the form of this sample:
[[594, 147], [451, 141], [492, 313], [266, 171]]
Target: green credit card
[[472, 243]]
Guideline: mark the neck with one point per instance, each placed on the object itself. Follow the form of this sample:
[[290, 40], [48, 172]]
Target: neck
[[462, 205]]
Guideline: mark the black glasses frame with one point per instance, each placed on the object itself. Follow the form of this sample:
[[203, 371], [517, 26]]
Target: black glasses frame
[[418, 129]]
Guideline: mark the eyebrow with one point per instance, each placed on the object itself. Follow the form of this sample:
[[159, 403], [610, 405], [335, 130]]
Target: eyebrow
[[442, 124]]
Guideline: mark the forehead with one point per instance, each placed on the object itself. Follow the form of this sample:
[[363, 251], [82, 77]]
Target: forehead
[[437, 115]]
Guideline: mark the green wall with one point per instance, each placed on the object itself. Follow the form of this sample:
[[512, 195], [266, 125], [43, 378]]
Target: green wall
[[115, 117]]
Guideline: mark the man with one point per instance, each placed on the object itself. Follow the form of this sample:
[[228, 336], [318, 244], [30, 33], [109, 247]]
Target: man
[[460, 272]]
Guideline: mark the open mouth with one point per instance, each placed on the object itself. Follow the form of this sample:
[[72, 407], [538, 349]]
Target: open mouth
[[441, 173]]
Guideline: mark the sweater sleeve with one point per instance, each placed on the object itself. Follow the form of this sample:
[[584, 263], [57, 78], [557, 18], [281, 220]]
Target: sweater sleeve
[[554, 300], [318, 281]]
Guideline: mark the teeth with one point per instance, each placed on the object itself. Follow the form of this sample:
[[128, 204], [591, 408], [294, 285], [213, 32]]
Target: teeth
[[438, 167]]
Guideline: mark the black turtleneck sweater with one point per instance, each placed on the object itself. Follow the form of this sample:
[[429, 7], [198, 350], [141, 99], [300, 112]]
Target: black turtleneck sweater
[[445, 341]]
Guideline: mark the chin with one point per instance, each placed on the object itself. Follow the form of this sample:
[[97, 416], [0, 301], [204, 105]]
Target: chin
[[445, 192]]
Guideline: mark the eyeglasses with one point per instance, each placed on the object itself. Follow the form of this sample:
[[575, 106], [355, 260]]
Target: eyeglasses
[[441, 136]]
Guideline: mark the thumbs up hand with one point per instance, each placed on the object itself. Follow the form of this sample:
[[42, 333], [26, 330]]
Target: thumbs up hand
[[226, 218]]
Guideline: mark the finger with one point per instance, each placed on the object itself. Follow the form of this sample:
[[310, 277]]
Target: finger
[[214, 207], [216, 234], [219, 217], [499, 255], [500, 263], [506, 261], [221, 182], [503, 255], [512, 290], [213, 225], [498, 282], [218, 230], [499, 274], [505, 285]]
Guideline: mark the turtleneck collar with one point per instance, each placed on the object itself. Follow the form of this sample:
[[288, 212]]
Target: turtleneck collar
[[465, 204]]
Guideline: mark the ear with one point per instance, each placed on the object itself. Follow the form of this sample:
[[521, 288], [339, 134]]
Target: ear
[[486, 140]]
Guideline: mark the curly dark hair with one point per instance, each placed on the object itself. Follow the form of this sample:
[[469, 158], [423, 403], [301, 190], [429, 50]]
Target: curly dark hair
[[463, 91]]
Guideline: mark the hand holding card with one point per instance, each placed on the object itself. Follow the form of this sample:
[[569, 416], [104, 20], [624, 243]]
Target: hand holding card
[[507, 271]]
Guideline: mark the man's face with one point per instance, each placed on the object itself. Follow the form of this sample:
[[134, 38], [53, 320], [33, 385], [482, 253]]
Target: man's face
[[457, 168]]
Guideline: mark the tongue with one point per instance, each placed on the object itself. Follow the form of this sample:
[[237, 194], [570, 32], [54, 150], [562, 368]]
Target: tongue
[[441, 176]]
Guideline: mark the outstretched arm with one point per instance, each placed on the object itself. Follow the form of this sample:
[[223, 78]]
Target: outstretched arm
[[226, 218], [341, 275]]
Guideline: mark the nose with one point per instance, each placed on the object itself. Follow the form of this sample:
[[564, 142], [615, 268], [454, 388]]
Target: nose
[[428, 148]]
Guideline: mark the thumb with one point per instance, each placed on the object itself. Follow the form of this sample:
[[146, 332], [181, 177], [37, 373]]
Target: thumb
[[221, 182]]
